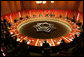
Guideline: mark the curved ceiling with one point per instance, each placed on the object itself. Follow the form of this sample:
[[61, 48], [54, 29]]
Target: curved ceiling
[[14, 6]]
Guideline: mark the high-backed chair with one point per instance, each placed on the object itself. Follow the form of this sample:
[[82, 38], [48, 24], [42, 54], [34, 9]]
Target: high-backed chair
[[60, 16], [10, 24], [21, 18], [15, 20], [34, 15], [47, 15]]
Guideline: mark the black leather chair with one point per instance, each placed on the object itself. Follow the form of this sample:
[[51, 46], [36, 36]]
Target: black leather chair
[[10, 24], [47, 15], [21, 18], [15, 20], [66, 18], [34, 15], [4, 20], [60, 16], [27, 16], [79, 23], [51, 14]]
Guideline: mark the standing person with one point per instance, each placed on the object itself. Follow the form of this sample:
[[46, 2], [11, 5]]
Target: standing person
[[45, 49]]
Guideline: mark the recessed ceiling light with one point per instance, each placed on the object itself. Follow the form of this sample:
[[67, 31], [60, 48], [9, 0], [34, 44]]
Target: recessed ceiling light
[[44, 2], [40, 1], [52, 1], [37, 2]]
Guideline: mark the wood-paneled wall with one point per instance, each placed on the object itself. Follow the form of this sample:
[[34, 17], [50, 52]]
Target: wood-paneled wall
[[57, 5], [81, 7], [14, 6], [5, 9], [9, 7]]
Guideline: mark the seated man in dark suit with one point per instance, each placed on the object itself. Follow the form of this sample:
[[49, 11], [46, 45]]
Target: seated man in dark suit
[[73, 19], [46, 50], [40, 15], [79, 23], [21, 18], [34, 15], [15, 20], [66, 17], [63, 44], [6, 24], [27, 16], [51, 15], [45, 44], [60, 16], [46, 15], [2, 26], [10, 24], [4, 20]]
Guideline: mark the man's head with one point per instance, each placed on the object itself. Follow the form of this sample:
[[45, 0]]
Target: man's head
[[45, 41]]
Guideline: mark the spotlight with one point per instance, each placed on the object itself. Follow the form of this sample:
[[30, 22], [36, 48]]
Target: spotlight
[[52, 1], [44, 2], [37, 2], [40, 2]]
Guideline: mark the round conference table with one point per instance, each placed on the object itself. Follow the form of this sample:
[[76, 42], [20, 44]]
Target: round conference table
[[52, 41]]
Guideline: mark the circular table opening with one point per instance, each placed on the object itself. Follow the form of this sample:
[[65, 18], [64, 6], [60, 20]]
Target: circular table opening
[[29, 31]]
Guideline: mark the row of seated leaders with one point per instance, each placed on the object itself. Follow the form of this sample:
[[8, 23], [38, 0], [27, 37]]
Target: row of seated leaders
[[6, 38]]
